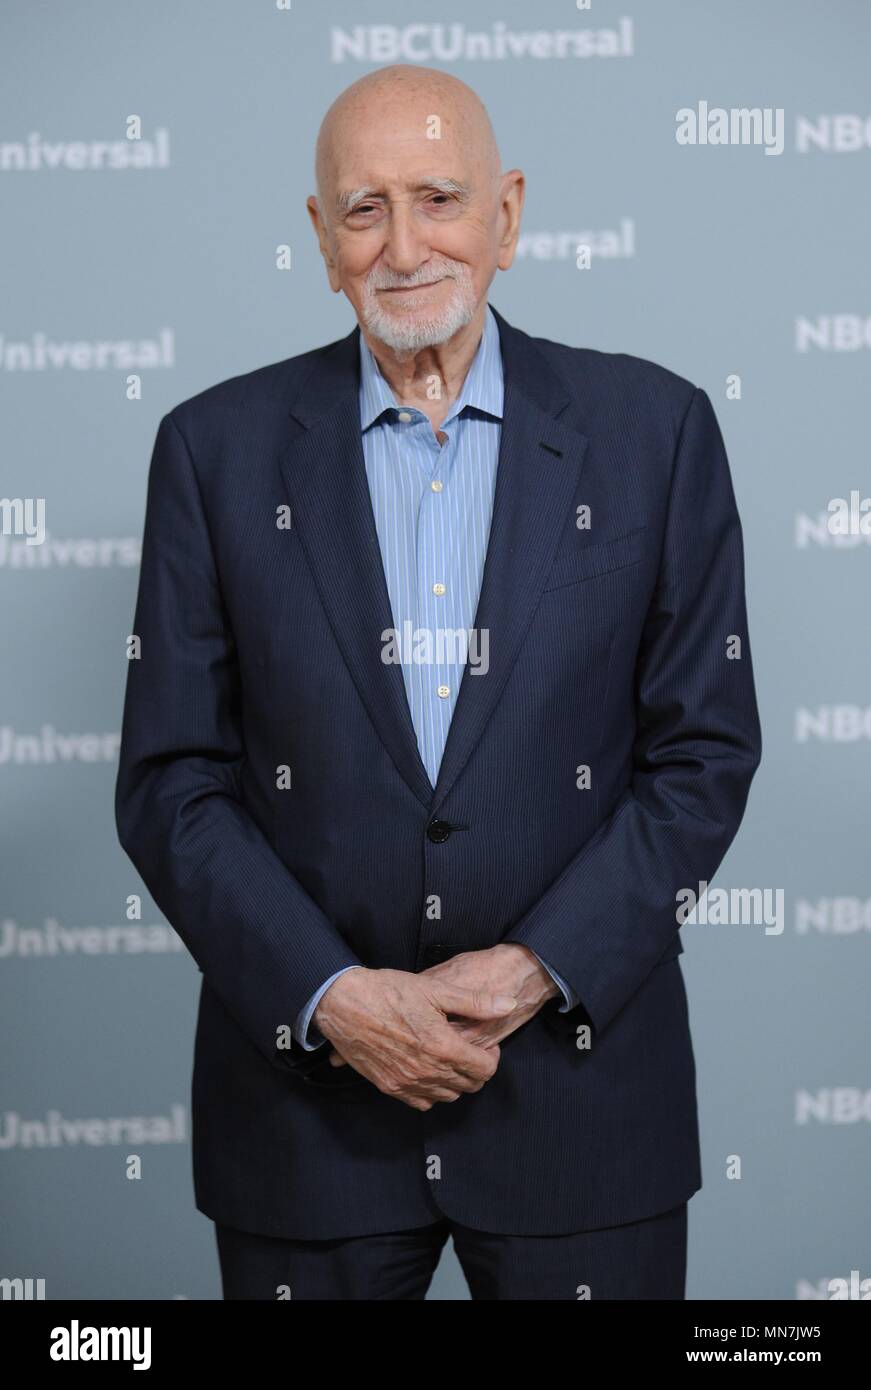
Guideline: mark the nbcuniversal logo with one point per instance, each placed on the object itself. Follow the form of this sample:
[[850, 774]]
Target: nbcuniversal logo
[[833, 1105], [833, 724], [447, 43]]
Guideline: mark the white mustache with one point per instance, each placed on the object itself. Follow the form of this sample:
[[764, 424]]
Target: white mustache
[[412, 284]]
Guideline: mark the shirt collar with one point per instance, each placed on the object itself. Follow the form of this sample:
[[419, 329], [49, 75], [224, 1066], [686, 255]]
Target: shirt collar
[[483, 387]]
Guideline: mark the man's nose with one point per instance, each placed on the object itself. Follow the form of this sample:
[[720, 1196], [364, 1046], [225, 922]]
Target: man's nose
[[405, 248]]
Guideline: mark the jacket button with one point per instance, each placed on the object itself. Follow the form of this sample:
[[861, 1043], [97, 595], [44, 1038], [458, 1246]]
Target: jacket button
[[438, 831]]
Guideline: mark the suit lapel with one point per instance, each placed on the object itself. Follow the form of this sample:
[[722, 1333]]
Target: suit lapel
[[331, 510], [324, 471]]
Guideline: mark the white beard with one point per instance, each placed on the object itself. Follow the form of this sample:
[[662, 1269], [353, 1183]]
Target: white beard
[[410, 331]]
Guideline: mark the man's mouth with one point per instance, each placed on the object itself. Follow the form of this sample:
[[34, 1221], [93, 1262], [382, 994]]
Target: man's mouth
[[411, 289]]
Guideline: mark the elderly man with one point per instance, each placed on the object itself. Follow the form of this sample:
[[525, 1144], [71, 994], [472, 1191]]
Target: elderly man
[[445, 693]]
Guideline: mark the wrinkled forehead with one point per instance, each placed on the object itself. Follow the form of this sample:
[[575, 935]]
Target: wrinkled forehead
[[396, 147]]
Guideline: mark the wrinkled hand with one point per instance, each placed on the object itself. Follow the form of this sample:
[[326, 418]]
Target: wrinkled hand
[[505, 969], [392, 1027]]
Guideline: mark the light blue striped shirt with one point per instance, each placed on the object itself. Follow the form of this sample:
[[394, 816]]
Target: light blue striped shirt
[[432, 504]]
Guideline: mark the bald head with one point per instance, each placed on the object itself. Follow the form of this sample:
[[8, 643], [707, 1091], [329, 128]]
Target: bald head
[[407, 96], [413, 215]]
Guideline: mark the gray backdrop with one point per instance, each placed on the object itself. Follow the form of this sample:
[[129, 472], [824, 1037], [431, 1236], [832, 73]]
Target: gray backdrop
[[735, 262]]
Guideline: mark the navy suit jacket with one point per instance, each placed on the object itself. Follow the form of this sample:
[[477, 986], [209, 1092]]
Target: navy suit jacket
[[609, 648]]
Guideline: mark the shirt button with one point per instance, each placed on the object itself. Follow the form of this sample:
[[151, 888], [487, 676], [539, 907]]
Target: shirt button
[[404, 416], [438, 589], [436, 485], [444, 691]]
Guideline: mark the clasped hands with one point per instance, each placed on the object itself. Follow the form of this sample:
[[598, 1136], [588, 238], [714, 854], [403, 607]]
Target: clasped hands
[[433, 1036]]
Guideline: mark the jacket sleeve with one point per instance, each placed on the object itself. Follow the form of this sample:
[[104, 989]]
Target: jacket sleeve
[[610, 916], [263, 945]]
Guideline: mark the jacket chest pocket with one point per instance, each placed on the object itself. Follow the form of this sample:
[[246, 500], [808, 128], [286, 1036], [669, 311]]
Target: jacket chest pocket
[[587, 561]]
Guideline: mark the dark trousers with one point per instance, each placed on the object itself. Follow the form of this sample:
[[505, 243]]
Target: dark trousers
[[642, 1260]]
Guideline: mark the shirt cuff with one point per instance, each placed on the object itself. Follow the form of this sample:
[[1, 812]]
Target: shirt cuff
[[566, 990], [300, 1028]]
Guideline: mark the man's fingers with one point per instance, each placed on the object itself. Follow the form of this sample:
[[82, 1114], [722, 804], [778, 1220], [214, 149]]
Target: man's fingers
[[478, 1036], [467, 1059], [336, 1060], [471, 1003]]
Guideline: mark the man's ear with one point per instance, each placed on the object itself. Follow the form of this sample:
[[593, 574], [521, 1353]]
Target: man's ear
[[317, 222], [512, 192]]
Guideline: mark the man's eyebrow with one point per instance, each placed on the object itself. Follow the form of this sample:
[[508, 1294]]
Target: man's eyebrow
[[345, 201]]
